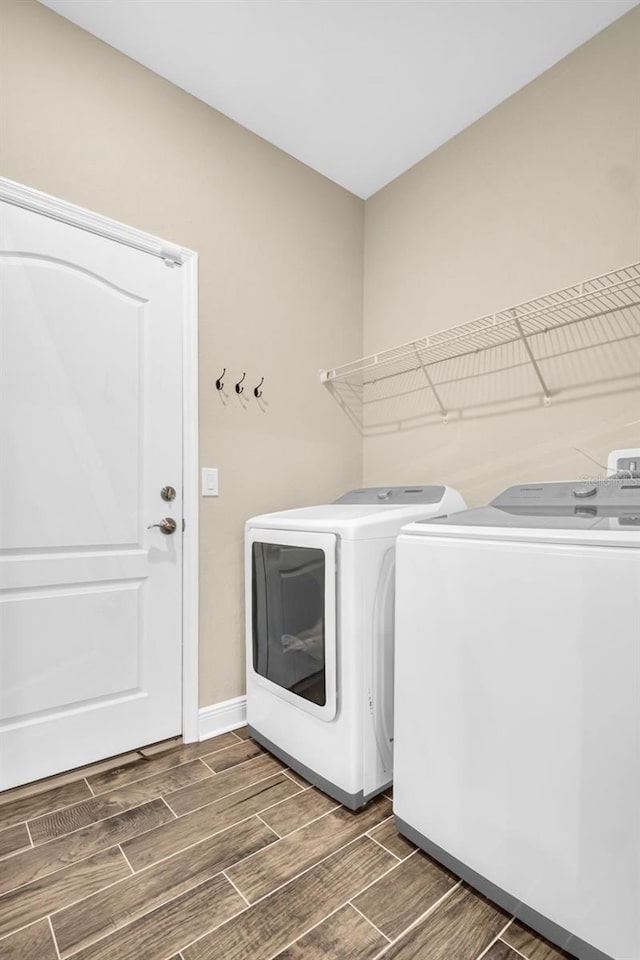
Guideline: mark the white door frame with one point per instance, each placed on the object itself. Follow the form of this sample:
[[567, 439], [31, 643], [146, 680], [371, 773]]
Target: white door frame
[[186, 260]]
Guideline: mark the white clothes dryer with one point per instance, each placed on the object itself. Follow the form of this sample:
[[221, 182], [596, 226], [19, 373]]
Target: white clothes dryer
[[517, 726], [320, 585]]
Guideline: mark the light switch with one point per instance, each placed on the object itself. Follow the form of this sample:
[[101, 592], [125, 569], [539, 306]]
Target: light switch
[[210, 482]]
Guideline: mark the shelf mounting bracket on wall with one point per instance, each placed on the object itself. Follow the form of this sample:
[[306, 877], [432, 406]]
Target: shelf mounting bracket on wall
[[534, 362], [432, 387]]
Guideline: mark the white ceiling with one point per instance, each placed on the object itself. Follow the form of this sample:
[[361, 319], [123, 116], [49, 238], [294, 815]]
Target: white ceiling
[[360, 90]]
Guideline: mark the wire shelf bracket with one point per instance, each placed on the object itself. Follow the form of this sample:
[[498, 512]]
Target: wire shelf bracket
[[534, 362]]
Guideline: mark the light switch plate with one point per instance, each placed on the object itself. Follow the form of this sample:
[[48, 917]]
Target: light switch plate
[[210, 482]]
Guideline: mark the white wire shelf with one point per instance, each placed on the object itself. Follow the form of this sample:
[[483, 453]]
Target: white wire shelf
[[600, 297]]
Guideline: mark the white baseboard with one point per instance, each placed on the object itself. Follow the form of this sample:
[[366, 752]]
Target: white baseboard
[[221, 717]]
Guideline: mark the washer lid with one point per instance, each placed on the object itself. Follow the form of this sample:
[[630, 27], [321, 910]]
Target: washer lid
[[601, 507], [364, 520]]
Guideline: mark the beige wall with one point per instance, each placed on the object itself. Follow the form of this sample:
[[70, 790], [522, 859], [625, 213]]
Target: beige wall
[[540, 193], [280, 275]]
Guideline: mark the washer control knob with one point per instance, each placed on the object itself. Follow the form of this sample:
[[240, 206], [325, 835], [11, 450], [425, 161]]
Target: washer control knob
[[384, 494], [588, 490]]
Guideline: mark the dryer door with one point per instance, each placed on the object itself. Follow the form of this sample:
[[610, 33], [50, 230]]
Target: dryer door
[[291, 616]]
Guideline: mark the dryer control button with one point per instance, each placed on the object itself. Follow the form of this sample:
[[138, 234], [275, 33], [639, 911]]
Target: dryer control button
[[586, 491]]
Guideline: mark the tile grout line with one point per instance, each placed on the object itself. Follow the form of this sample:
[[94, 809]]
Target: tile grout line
[[286, 772], [286, 837], [386, 819], [511, 947], [315, 819], [273, 831], [278, 802], [186, 746], [212, 773], [30, 837], [123, 879], [150, 866], [314, 926], [386, 849], [114, 883], [68, 806], [121, 786], [155, 863], [418, 920], [153, 749], [495, 939], [140, 916], [216, 753], [126, 861], [370, 922], [249, 904], [85, 826], [345, 903], [5, 795], [322, 860], [53, 936], [94, 853], [300, 790], [23, 926], [195, 843], [297, 876], [69, 783], [73, 903], [179, 816], [237, 889], [240, 861], [140, 873], [173, 814], [321, 816], [43, 846]]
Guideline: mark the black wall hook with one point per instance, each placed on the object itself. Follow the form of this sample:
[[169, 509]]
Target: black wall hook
[[240, 389], [219, 383], [257, 392]]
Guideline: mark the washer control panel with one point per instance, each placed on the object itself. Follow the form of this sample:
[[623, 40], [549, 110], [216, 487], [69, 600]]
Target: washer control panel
[[611, 493]]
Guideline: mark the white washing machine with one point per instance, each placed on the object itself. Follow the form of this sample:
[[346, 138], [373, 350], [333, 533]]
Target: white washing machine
[[319, 618], [517, 726]]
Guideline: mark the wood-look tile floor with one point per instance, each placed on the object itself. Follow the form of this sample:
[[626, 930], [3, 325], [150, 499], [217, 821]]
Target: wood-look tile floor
[[215, 851]]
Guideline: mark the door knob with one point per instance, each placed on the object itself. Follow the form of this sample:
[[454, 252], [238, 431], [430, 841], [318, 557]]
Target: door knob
[[167, 525]]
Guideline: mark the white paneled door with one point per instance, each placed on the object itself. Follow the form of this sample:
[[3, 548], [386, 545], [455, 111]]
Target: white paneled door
[[91, 431]]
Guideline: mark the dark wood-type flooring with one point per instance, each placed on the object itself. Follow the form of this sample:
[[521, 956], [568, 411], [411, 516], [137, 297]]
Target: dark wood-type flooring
[[215, 851]]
